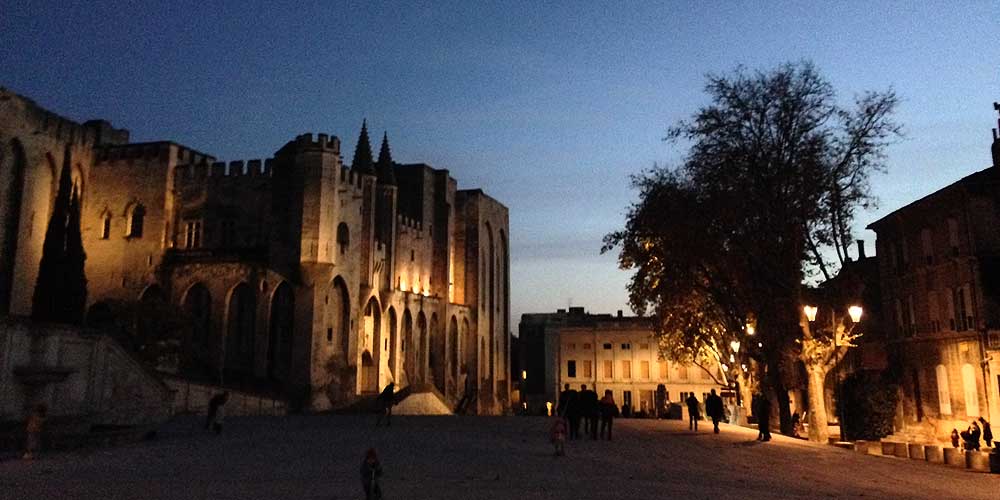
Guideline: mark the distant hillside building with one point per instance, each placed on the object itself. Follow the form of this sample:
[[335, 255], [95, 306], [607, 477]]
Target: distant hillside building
[[603, 351], [299, 272], [939, 261]]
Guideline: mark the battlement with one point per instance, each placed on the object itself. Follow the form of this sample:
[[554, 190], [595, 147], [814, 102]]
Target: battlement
[[90, 133], [405, 222], [143, 152], [323, 141], [198, 173]]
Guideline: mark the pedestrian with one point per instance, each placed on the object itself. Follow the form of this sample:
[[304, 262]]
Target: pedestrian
[[371, 471], [954, 438], [987, 432], [220, 412], [590, 410], [714, 409], [213, 408], [796, 424], [569, 407], [384, 403], [764, 418], [33, 428], [693, 412], [468, 391], [970, 436], [609, 410], [557, 434]]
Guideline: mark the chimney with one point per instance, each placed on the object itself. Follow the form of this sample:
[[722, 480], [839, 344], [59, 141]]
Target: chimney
[[861, 250]]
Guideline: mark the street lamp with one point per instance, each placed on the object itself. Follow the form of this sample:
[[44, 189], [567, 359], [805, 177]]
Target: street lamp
[[855, 313], [810, 312]]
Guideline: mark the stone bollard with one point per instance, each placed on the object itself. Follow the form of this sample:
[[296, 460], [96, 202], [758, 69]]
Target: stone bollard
[[954, 456], [995, 461], [861, 446], [902, 450], [916, 451], [933, 454], [888, 448], [977, 460]]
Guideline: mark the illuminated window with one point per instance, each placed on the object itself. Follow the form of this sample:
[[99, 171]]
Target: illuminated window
[[663, 370], [588, 369], [626, 369], [644, 369], [644, 346], [969, 388], [682, 372], [609, 368], [192, 234], [106, 225], [944, 392]]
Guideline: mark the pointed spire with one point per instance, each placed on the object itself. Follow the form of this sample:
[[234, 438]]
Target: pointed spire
[[363, 152], [386, 172]]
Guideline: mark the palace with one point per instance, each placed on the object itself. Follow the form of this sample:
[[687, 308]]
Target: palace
[[297, 272]]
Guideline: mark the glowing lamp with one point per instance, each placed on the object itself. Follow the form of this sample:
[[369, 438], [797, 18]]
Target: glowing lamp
[[751, 330], [524, 374], [810, 312], [855, 313], [735, 345]]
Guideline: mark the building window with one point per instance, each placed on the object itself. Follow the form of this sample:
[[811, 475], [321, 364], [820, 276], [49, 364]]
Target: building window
[[953, 236], [134, 219], [588, 369], [105, 226], [609, 368], [192, 234], [927, 243], [643, 346], [329, 335], [607, 346], [682, 372], [932, 312], [572, 346], [586, 346], [571, 368], [663, 370], [627, 398], [644, 369], [961, 318], [944, 393], [343, 238], [969, 387], [413, 257], [626, 346], [626, 369]]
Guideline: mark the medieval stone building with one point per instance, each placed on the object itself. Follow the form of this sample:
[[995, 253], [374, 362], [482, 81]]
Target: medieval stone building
[[297, 272]]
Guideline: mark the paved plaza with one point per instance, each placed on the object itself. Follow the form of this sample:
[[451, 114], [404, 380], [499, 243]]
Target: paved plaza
[[318, 457]]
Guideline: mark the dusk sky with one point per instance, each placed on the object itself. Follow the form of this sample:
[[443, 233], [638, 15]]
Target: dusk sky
[[548, 109]]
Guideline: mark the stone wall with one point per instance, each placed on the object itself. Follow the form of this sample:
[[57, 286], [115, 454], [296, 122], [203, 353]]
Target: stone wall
[[76, 373], [193, 398]]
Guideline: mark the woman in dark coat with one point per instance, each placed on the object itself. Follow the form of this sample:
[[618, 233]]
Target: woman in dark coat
[[371, 471]]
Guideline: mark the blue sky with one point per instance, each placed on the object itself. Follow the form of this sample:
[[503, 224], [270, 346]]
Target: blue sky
[[547, 108]]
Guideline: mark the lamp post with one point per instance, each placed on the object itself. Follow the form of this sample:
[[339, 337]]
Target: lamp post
[[854, 312]]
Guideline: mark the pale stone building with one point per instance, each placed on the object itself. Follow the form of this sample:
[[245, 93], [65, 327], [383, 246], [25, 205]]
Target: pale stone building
[[603, 351], [299, 273], [939, 262]]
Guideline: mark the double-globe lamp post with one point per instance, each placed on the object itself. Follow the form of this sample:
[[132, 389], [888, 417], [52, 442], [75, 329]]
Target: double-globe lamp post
[[855, 314]]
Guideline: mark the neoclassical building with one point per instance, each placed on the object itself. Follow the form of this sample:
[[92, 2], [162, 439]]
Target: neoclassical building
[[296, 271]]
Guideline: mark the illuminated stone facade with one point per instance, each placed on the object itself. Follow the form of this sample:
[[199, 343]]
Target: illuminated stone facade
[[604, 352], [296, 271], [939, 262]]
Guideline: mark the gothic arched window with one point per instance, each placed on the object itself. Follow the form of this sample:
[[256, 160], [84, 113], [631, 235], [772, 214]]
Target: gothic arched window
[[134, 218]]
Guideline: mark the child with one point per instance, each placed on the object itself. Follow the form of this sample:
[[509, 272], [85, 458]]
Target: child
[[35, 423], [371, 470], [558, 435]]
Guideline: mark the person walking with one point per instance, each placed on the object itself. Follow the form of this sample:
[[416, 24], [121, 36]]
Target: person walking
[[987, 431], [557, 434], [569, 407], [33, 428], [714, 409], [213, 408], [384, 403], [693, 412], [589, 406], [371, 471], [220, 412], [609, 410], [763, 418]]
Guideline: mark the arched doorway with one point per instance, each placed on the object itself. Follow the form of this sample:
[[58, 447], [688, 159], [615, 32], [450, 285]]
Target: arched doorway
[[197, 306], [437, 359], [421, 348], [408, 350], [281, 333], [240, 330], [453, 354], [469, 356], [12, 166], [370, 377]]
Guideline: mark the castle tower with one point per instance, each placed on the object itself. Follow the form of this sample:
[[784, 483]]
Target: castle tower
[[307, 172], [365, 167], [385, 210]]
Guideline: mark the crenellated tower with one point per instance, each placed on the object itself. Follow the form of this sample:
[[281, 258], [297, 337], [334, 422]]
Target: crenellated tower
[[385, 210], [365, 167], [306, 176]]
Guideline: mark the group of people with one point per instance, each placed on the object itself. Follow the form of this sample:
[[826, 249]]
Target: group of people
[[970, 436], [714, 409], [583, 405]]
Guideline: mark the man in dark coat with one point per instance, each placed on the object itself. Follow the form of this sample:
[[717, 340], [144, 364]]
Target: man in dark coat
[[694, 413], [763, 414], [590, 410], [573, 412], [714, 410], [384, 403]]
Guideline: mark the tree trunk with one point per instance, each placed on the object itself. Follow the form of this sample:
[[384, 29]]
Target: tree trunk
[[777, 384], [818, 427]]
